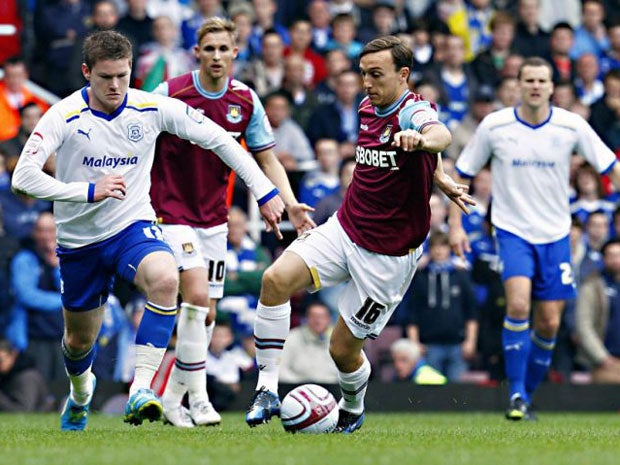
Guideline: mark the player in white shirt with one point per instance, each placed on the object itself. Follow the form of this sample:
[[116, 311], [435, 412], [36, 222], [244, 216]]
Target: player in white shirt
[[103, 137], [530, 147]]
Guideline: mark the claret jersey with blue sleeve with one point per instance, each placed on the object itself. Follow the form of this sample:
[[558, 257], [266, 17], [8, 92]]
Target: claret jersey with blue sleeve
[[89, 144], [531, 169]]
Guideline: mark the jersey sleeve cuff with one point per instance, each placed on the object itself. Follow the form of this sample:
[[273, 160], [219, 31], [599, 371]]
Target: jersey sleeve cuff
[[463, 174], [90, 198], [266, 198]]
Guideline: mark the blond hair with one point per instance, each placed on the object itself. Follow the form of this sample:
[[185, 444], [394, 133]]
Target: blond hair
[[216, 24]]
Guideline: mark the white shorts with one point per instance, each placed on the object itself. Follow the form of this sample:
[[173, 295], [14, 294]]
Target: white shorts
[[375, 283], [200, 248]]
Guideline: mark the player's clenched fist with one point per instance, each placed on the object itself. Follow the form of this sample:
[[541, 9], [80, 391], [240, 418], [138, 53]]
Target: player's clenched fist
[[112, 185], [409, 140]]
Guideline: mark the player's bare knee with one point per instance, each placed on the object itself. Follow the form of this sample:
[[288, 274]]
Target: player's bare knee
[[519, 309], [275, 283], [548, 326], [163, 285], [79, 343]]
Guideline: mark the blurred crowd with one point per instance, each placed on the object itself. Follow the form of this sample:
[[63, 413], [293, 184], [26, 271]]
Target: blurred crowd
[[301, 58]]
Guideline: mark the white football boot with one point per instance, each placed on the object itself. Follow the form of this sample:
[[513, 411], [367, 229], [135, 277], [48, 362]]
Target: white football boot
[[203, 414], [178, 416]]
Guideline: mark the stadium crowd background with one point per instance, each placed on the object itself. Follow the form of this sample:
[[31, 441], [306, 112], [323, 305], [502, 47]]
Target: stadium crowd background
[[301, 58]]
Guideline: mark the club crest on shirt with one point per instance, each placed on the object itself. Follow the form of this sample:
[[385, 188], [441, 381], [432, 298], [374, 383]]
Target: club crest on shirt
[[234, 113], [385, 135], [188, 248], [135, 132]]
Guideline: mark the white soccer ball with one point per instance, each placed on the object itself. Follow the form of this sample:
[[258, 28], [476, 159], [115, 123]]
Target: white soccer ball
[[309, 408]]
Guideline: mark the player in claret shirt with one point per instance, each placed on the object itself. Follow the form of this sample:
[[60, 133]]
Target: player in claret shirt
[[189, 196], [103, 137], [374, 241]]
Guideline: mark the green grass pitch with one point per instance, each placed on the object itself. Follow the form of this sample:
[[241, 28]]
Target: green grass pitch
[[390, 439]]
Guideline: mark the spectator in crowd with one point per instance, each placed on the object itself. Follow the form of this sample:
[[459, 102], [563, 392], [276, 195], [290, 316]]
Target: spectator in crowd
[[137, 23], [302, 101], [315, 69], [511, 66], [8, 248], [5, 179], [338, 120], [242, 14], [176, 10], [383, 21], [598, 318], [410, 365], [60, 25], [245, 262], [589, 87], [508, 92], [422, 49], [597, 233], [336, 62], [292, 146], [328, 205], [112, 348], [483, 103], [162, 59], [305, 358], [22, 388], [442, 311], [611, 58], [265, 11], [605, 112], [455, 80], [590, 195], [29, 114], [20, 212], [204, 9], [344, 31], [225, 362], [530, 39], [553, 12], [472, 22], [37, 321], [104, 18], [561, 43], [320, 19], [323, 181], [591, 36], [489, 61], [14, 95], [565, 96], [266, 73]]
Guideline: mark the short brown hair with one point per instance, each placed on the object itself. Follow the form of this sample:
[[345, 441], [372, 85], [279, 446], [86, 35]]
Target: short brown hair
[[105, 45], [501, 17], [535, 61], [216, 24], [401, 54]]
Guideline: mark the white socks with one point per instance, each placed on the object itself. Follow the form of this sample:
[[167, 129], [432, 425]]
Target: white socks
[[270, 331], [188, 373], [353, 388], [81, 387], [148, 359]]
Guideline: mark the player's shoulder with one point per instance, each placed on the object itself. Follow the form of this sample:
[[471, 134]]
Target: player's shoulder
[[242, 91], [565, 118], [499, 118], [141, 101], [71, 107], [238, 85]]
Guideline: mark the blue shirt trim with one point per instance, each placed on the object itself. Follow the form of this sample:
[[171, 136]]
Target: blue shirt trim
[[609, 168], [386, 111], [533, 126], [205, 93], [101, 114], [463, 174], [266, 198], [91, 193]]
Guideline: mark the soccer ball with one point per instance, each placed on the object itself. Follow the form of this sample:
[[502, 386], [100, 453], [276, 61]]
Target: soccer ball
[[309, 408]]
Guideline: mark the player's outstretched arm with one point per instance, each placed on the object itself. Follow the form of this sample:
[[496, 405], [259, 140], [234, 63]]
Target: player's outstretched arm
[[298, 213], [456, 192], [433, 138]]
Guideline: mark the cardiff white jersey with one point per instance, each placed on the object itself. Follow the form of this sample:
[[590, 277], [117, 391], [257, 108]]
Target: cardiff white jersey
[[530, 166], [89, 144]]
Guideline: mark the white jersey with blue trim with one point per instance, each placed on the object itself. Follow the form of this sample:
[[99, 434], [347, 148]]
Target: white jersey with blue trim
[[531, 167], [89, 144]]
